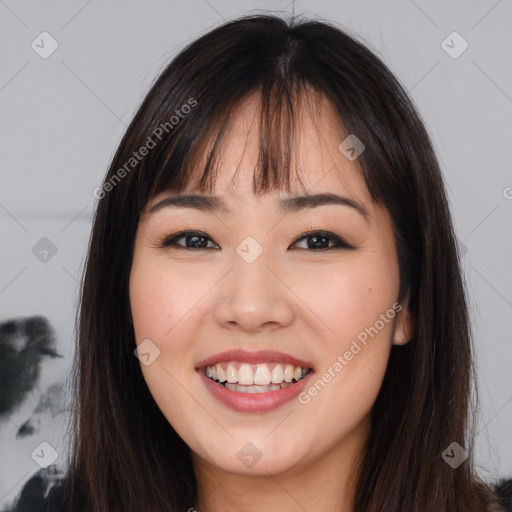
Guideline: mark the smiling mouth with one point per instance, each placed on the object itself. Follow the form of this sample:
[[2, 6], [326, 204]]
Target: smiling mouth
[[255, 378]]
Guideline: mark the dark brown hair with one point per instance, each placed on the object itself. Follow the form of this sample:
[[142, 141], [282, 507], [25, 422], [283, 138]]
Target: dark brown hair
[[125, 456]]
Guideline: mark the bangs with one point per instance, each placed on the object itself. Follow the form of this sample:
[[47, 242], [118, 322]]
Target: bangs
[[277, 67], [278, 107]]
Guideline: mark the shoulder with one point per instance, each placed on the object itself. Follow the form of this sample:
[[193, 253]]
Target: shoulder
[[503, 489], [45, 491]]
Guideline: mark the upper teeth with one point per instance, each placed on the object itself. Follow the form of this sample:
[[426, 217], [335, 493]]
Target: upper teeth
[[259, 374]]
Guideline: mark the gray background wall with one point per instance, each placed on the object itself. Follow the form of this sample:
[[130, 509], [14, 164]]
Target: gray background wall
[[62, 117]]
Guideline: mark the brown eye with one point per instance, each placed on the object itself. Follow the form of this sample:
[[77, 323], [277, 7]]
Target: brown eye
[[320, 241], [193, 240]]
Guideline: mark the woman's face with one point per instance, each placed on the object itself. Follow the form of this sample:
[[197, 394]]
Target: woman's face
[[255, 302]]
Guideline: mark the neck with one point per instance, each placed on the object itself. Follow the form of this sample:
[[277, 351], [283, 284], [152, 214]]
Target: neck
[[326, 483]]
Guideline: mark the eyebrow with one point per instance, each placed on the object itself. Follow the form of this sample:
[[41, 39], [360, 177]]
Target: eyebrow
[[286, 205]]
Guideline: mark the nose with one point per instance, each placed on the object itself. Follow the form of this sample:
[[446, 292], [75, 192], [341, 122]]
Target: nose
[[253, 298]]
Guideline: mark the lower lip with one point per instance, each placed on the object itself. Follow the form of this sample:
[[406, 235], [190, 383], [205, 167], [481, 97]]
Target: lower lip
[[254, 402]]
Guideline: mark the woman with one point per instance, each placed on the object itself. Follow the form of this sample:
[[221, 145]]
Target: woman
[[274, 245]]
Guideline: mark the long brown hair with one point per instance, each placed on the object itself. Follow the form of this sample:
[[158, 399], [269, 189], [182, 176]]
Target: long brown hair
[[124, 454]]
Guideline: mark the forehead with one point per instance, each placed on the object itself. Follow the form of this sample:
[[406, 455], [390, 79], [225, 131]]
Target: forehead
[[316, 163]]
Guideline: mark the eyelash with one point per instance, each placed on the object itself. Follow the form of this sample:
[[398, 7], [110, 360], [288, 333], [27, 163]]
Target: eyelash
[[170, 241]]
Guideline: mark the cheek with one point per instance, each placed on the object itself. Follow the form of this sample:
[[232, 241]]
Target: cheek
[[361, 313], [161, 303], [357, 307], [350, 299], [161, 298], [150, 299]]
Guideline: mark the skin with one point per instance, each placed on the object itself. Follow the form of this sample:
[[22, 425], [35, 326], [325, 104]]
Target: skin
[[308, 303]]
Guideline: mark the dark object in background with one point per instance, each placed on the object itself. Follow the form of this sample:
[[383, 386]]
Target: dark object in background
[[504, 490], [51, 402], [23, 345], [46, 491]]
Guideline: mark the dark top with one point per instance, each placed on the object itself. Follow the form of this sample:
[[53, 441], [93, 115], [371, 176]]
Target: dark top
[[45, 493]]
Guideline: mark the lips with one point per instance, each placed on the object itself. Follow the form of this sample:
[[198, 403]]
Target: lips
[[254, 381]]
